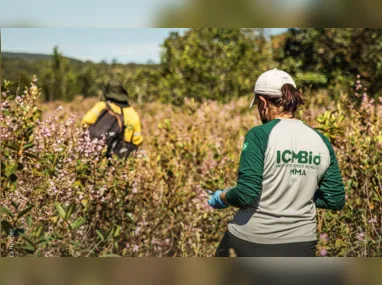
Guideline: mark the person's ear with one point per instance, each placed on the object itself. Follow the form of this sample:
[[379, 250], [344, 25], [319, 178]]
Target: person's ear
[[262, 99]]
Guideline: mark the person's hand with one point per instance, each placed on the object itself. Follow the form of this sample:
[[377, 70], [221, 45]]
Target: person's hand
[[216, 202]]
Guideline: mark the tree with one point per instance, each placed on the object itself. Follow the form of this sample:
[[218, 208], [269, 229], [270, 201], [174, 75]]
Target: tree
[[332, 57], [213, 63]]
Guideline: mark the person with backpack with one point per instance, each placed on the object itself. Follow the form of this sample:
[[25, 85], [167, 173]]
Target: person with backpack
[[286, 171], [115, 120]]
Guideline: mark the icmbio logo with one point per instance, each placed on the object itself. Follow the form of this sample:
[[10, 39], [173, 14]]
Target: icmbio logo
[[302, 157]]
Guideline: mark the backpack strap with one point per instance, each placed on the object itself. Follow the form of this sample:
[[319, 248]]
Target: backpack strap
[[122, 118], [119, 117], [108, 107], [123, 130], [121, 121], [123, 124]]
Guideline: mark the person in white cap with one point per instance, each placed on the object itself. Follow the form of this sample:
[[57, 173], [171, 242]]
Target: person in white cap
[[286, 171]]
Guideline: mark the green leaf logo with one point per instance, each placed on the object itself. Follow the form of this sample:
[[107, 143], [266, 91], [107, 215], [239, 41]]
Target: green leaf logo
[[245, 145]]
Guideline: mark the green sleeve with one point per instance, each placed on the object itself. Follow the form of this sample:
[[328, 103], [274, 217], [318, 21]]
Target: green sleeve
[[251, 167], [331, 192]]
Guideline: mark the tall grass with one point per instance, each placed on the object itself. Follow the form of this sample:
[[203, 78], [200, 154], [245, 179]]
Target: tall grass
[[62, 197]]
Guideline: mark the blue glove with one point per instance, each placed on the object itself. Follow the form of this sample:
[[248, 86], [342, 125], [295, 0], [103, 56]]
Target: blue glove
[[216, 202]]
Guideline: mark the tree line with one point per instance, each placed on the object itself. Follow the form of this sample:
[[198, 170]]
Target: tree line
[[217, 64]]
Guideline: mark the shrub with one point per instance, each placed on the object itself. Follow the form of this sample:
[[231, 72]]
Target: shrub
[[61, 196]]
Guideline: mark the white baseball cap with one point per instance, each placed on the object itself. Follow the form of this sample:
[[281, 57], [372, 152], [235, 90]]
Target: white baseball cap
[[271, 82]]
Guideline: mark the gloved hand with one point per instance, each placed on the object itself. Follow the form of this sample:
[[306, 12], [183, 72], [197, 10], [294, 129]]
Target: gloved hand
[[216, 202]]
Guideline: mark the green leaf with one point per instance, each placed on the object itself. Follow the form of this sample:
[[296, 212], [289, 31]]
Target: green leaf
[[76, 243], [28, 240], [5, 225], [29, 248], [11, 169], [70, 210], [100, 235], [31, 155], [28, 146], [77, 223], [60, 210], [29, 221], [109, 233], [338, 243], [38, 232], [19, 231], [117, 231], [16, 206], [2, 166], [25, 211], [78, 184], [6, 211]]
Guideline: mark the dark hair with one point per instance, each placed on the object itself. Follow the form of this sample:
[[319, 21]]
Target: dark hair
[[290, 101]]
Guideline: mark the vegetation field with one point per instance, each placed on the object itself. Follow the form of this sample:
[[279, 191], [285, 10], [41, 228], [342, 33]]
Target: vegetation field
[[61, 197]]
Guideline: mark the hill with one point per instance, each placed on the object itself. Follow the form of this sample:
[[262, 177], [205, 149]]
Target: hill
[[19, 68], [31, 57]]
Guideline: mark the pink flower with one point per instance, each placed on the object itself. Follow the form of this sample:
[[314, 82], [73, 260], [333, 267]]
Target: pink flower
[[137, 230], [324, 237], [372, 221], [323, 251], [135, 248], [361, 236]]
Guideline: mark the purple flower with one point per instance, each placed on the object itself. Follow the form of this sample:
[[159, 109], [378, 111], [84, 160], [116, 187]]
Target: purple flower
[[323, 252], [361, 236], [324, 237]]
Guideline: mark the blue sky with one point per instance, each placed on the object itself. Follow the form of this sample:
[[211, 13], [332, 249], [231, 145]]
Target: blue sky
[[124, 45]]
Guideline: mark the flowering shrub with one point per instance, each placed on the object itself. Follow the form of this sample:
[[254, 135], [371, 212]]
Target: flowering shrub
[[62, 197], [355, 130]]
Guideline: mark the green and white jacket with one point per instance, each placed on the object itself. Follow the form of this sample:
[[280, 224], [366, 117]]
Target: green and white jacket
[[287, 169]]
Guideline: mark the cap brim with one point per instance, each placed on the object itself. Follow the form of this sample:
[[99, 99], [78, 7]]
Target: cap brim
[[253, 102]]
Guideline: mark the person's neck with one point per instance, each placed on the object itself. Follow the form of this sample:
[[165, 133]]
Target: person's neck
[[284, 116]]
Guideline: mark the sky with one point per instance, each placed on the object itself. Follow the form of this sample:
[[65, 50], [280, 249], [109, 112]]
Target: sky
[[100, 13], [82, 13], [123, 45]]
